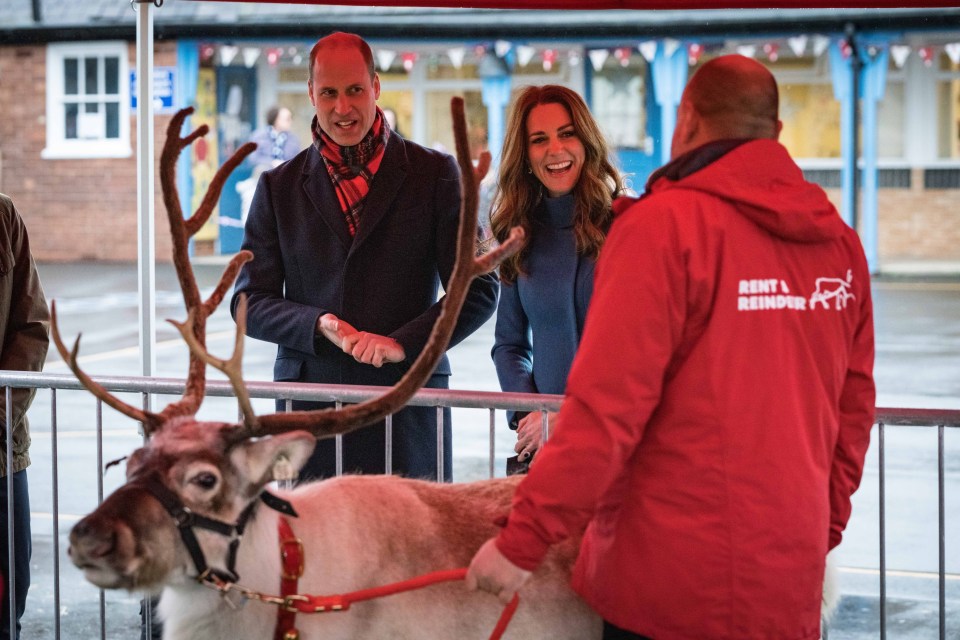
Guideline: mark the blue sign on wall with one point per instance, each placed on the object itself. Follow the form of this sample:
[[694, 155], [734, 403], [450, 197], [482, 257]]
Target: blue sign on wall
[[164, 89]]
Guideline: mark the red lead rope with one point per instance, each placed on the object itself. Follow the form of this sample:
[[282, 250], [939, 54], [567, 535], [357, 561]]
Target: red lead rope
[[291, 553]]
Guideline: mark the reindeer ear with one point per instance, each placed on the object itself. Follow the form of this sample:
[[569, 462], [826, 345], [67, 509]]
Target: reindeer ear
[[256, 459]]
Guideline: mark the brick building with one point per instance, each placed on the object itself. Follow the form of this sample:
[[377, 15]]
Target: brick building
[[68, 135]]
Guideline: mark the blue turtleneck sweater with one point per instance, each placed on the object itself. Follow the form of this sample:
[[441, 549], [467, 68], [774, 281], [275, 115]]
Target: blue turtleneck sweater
[[540, 315]]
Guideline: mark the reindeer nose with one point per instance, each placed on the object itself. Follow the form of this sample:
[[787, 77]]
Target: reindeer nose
[[91, 541]]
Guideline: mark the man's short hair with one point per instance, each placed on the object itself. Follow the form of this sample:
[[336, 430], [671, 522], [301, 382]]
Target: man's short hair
[[339, 39]]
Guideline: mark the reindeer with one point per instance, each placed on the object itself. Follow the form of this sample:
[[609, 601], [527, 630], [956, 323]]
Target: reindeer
[[195, 519]]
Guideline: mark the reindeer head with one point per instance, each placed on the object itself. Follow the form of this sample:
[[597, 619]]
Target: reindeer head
[[191, 489], [191, 474]]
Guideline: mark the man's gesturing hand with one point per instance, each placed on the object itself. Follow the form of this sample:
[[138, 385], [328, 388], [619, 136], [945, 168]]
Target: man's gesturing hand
[[365, 347]]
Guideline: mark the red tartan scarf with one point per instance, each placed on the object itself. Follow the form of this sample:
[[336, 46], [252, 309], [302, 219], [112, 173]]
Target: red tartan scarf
[[352, 168]]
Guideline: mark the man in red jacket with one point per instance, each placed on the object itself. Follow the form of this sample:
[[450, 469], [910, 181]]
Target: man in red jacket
[[722, 398]]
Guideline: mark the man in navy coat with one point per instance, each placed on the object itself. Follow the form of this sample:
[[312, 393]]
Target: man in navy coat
[[351, 240]]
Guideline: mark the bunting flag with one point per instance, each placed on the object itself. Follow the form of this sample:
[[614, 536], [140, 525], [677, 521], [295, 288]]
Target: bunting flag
[[694, 51], [899, 53], [273, 56], [670, 46], [597, 58], [953, 52], [250, 55], [798, 44], [525, 54], [549, 57], [820, 44], [648, 50], [385, 58], [772, 50], [227, 54], [845, 49], [456, 55]]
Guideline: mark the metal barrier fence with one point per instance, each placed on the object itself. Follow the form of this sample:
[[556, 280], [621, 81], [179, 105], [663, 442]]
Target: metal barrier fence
[[439, 398]]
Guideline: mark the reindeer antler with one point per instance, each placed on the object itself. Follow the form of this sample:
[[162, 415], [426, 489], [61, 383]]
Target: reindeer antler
[[181, 230], [233, 368], [327, 422]]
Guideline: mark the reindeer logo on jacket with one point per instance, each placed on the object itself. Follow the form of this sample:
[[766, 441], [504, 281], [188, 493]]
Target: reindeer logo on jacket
[[833, 289]]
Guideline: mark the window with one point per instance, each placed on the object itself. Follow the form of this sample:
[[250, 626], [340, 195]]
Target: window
[[88, 101], [811, 120], [440, 122], [619, 93]]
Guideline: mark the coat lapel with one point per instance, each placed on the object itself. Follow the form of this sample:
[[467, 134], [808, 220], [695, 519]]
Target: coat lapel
[[386, 184], [319, 190]]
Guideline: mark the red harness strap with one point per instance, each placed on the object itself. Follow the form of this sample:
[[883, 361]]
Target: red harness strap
[[291, 552], [291, 560]]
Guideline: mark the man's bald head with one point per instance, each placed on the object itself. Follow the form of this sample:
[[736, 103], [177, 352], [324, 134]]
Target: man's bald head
[[728, 97]]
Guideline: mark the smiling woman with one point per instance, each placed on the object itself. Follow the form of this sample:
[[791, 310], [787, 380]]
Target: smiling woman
[[553, 148], [556, 182]]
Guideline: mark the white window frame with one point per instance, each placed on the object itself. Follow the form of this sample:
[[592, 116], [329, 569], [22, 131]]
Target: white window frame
[[58, 146]]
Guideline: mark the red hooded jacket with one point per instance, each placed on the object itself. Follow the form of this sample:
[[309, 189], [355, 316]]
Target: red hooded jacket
[[718, 411]]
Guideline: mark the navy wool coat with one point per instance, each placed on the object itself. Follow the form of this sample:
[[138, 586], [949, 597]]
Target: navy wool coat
[[384, 280]]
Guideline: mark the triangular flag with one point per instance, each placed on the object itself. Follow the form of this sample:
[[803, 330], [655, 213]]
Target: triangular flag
[[798, 44], [525, 54], [502, 48], [772, 49], [670, 46], [456, 56], [953, 52], [250, 55], [227, 54], [820, 44], [549, 57], [385, 58], [648, 50], [747, 50], [597, 58], [694, 51]]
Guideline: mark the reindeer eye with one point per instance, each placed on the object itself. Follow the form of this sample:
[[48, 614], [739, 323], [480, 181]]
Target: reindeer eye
[[205, 481]]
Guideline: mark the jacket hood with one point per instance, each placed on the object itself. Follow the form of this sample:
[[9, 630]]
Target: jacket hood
[[760, 180]]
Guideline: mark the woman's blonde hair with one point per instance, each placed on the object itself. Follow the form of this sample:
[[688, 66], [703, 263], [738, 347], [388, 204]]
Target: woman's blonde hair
[[519, 191]]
